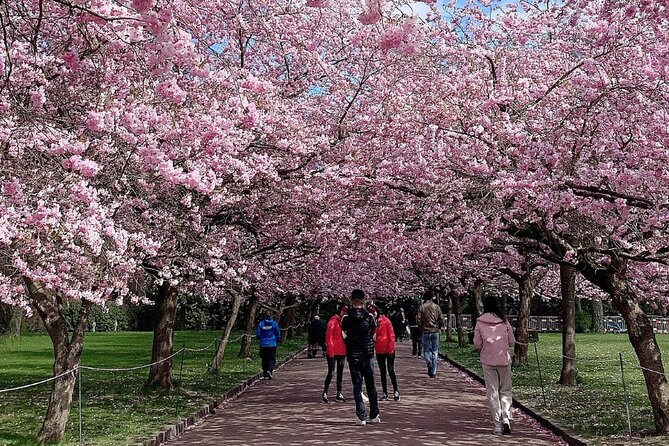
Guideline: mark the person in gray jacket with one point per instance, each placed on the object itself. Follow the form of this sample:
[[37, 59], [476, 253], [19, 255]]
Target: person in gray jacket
[[430, 322]]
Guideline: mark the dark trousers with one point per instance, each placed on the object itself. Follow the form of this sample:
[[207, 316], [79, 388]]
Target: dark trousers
[[362, 369], [268, 357], [389, 361], [339, 361], [416, 341]]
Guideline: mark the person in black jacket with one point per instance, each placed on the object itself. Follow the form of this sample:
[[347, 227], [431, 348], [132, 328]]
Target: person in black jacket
[[359, 327], [316, 337]]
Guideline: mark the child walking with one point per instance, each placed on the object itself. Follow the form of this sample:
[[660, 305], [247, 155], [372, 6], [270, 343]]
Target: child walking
[[493, 336]]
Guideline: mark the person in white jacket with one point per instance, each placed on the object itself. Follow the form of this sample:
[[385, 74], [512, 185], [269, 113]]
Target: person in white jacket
[[493, 336]]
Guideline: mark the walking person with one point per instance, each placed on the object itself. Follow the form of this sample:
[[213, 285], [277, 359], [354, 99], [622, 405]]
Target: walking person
[[316, 337], [414, 331], [358, 327], [493, 336], [385, 352], [336, 351], [269, 334], [430, 322], [401, 331]]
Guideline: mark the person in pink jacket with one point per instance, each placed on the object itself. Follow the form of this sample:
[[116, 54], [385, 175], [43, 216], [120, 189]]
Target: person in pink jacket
[[336, 351], [493, 336]]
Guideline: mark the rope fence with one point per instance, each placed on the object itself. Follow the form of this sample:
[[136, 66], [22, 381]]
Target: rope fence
[[616, 393], [78, 369]]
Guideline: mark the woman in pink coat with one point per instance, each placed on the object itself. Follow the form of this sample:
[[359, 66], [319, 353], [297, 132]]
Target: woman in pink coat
[[493, 336]]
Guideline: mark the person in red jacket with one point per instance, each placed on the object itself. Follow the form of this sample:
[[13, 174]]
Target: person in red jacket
[[336, 351], [385, 351]]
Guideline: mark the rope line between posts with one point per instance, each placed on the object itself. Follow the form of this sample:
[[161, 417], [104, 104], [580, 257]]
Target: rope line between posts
[[39, 382], [590, 359], [127, 369], [201, 349], [646, 369]]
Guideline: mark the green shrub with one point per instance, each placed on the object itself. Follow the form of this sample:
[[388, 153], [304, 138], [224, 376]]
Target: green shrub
[[583, 321]]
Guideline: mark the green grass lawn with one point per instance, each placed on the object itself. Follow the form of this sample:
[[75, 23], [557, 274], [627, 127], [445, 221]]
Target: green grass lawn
[[117, 410], [595, 408]]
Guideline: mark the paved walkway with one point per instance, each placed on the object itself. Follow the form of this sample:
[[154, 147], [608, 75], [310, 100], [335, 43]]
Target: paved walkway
[[447, 410]]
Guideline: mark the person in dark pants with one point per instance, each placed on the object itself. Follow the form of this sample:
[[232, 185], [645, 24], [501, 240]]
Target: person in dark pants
[[269, 335], [416, 335], [385, 352], [336, 351], [316, 337], [430, 323], [358, 327]]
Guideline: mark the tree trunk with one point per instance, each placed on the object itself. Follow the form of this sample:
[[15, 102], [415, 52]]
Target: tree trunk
[[160, 375], [597, 325], [67, 356], [245, 349], [232, 320], [457, 308], [525, 291], [286, 316], [568, 288], [641, 335], [477, 292], [449, 316]]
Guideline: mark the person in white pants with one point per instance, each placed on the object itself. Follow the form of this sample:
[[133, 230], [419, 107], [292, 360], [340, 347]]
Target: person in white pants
[[493, 336]]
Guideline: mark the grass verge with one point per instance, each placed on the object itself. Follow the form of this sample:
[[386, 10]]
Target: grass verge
[[117, 410], [594, 409]]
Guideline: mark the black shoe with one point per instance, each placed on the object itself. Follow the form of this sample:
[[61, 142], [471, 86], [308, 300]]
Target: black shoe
[[506, 428], [340, 397], [384, 396], [324, 397], [269, 375]]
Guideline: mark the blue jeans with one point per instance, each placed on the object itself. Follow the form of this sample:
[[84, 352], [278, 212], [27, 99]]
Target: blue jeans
[[431, 351], [362, 369]]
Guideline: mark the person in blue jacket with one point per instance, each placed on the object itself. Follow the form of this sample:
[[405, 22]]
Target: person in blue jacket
[[269, 334]]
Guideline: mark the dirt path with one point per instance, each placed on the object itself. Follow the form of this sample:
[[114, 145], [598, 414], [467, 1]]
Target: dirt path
[[447, 410]]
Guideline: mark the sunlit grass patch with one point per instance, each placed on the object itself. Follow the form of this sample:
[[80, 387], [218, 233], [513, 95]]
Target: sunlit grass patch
[[117, 409], [595, 408]]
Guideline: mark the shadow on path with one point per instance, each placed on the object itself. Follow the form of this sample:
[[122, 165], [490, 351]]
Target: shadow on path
[[446, 410]]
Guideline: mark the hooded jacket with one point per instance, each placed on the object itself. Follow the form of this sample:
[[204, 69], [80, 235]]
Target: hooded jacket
[[385, 337], [359, 327], [268, 332], [334, 339], [493, 337]]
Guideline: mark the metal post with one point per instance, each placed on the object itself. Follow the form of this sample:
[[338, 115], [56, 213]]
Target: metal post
[[627, 403], [181, 373], [218, 341], [181, 368], [541, 379], [81, 424]]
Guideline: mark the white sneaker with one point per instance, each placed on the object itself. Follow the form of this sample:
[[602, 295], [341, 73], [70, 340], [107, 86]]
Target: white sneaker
[[360, 422], [497, 430], [365, 398], [375, 420]]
